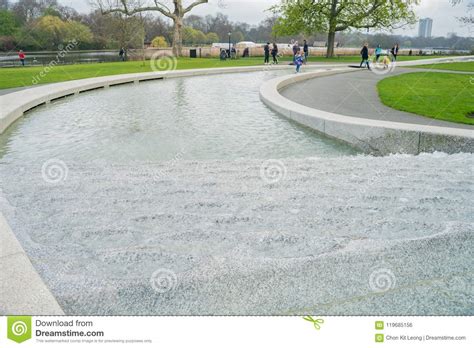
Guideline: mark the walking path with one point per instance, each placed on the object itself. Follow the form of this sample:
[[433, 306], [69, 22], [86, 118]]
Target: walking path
[[16, 89], [355, 94]]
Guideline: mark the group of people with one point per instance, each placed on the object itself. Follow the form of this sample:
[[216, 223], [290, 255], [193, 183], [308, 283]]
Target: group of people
[[273, 51], [387, 58], [299, 57]]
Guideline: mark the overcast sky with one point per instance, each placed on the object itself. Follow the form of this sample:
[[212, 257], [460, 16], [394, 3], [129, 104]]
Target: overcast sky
[[253, 11]]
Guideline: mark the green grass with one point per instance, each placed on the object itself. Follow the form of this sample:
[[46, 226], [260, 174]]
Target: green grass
[[461, 66], [442, 96], [21, 77]]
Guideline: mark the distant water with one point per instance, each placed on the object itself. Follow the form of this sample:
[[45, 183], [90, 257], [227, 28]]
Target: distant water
[[45, 58]]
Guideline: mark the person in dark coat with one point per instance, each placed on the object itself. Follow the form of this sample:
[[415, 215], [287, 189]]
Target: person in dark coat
[[296, 49], [266, 50], [275, 53], [306, 51], [394, 51], [364, 52], [122, 54]]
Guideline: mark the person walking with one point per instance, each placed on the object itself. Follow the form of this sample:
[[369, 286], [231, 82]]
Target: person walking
[[266, 50], [394, 51], [275, 53], [22, 57], [378, 52], [364, 52], [296, 49], [306, 51], [299, 60], [122, 54]]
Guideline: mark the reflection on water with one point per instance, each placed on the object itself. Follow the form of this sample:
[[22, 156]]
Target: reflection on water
[[218, 117]]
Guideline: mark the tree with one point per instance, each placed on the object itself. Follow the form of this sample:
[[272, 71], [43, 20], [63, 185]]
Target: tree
[[159, 41], [332, 16], [220, 25], [193, 36], [211, 38], [238, 36], [29, 10], [469, 20], [196, 22], [176, 13], [4, 5], [51, 11], [199, 37], [156, 26], [9, 24], [75, 31], [188, 35], [127, 31], [50, 31]]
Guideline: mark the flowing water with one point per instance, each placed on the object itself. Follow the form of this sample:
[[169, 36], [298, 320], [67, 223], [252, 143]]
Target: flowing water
[[188, 196]]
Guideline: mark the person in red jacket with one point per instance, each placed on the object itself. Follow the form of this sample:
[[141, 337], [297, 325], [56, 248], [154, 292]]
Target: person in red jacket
[[22, 57]]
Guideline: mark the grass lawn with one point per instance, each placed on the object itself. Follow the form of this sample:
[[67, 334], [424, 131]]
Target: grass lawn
[[442, 96], [21, 77], [461, 66]]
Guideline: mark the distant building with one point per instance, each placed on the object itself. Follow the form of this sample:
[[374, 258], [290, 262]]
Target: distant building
[[425, 27]]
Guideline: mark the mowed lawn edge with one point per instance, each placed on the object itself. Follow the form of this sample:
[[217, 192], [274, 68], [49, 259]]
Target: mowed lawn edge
[[442, 96], [455, 66]]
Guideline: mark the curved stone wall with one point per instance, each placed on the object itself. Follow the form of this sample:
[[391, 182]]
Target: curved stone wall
[[371, 136]]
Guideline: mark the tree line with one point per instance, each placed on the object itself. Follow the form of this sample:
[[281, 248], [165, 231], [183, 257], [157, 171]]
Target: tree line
[[45, 25]]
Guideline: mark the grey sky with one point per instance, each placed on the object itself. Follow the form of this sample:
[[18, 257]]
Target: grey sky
[[253, 11]]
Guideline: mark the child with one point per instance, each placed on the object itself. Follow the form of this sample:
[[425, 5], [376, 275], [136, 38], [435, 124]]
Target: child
[[386, 62], [378, 52], [299, 60]]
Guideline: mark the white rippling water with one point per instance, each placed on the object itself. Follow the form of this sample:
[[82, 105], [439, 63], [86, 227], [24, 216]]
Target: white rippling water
[[119, 227]]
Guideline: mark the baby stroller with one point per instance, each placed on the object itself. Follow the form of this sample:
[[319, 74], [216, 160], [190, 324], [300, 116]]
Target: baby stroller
[[223, 54]]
